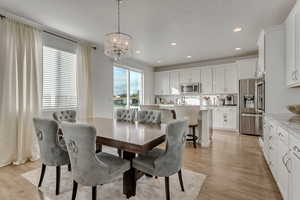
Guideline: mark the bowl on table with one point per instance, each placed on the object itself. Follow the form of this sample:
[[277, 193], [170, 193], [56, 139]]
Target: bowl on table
[[294, 109]]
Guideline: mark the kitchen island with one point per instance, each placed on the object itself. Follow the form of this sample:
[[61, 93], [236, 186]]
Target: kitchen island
[[205, 127]]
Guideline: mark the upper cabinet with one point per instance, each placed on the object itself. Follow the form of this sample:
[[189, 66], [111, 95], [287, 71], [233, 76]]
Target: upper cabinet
[[225, 79], [162, 83], [260, 66], [231, 80], [174, 83], [219, 80], [207, 81], [190, 76], [292, 26], [247, 68]]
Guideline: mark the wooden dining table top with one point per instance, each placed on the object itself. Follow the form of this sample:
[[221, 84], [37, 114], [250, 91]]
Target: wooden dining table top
[[132, 137]]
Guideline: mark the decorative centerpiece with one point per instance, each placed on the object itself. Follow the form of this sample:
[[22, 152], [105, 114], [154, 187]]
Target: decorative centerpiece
[[294, 109]]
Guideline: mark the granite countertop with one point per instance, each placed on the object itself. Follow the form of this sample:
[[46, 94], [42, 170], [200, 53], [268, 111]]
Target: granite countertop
[[289, 122]]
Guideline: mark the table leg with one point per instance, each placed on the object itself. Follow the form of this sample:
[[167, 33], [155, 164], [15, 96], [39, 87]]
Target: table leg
[[129, 177]]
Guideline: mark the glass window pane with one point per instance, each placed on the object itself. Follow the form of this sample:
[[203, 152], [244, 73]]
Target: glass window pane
[[135, 88], [120, 87]]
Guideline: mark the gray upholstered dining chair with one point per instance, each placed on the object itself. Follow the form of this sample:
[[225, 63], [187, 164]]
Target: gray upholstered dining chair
[[166, 114], [63, 116], [90, 168], [50, 152], [192, 115], [149, 116], [123, 114], [164, 163]]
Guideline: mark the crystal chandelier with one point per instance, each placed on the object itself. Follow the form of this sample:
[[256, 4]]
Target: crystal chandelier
[[117, 44]]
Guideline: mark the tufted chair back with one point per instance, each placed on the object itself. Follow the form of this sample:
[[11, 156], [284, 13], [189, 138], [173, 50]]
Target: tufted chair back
[[50, 152], [189, 113], [149, 107], [125, 115], [170, 162], [166, 115], [87, 169], [66, 116], [149, 116]]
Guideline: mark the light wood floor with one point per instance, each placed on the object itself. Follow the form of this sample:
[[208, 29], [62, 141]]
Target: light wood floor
[[234, 166]]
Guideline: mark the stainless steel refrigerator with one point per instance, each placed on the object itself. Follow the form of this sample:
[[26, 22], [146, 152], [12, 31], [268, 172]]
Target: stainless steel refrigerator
[[252, 104]]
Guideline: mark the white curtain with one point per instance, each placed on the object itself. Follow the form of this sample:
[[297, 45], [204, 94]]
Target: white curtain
[[20, 53], [84, 81]]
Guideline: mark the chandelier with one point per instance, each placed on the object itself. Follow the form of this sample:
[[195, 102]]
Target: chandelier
[[117, 44]]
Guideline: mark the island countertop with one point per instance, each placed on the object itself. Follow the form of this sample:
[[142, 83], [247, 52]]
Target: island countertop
[[205, 130]]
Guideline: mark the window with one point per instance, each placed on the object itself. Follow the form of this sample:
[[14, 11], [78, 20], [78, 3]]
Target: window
[[59, 80], [128, 87]]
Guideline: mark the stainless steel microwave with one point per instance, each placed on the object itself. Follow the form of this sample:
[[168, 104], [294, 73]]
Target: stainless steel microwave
[[190, 88]]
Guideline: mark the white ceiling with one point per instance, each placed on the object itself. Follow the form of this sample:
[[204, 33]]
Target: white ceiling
[[201, 28]]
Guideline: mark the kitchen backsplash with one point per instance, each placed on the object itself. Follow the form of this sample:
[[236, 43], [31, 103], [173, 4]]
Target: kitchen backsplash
[[204, 100]]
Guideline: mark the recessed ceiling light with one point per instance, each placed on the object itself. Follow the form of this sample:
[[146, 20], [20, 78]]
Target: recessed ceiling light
[[189, 56], [237, 29], [173, 43], [138, 52], [238, 49], [159, 61]]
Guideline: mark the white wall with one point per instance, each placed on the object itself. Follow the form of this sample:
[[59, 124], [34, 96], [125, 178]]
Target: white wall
[[278, 95], [103, 82]]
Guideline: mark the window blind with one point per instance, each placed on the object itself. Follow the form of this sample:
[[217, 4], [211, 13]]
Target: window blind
[[59, 80]]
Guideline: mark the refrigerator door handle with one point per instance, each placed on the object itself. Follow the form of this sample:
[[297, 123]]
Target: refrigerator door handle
[[251, 115]]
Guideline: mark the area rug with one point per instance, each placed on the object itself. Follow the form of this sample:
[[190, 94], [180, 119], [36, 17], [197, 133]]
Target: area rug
[[147, 188]]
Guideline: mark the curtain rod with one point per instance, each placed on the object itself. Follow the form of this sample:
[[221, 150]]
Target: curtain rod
[[54, 34]]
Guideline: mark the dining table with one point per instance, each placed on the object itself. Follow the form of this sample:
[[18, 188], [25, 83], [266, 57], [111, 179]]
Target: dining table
[[132, 138]]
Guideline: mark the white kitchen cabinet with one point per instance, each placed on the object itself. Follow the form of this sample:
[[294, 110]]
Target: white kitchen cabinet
[[260, 67], [294, 166], [295, 76], [162, 83], [231, 80], [247, 68], [218, 118], [207, 80], [282, 171], [292, 40], [282, 153], [230, 118], [225, 118], [174, 83], [290, 28], [190, 76], [225, 79], [219, 80]]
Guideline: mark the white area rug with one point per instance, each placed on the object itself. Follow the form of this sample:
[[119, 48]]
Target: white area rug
[[147, 188]]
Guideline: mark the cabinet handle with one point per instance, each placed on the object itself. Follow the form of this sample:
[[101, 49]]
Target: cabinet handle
[[294, 75], [296, 156], [296, 149], [282, 159], [270, 137], [287, 165]]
